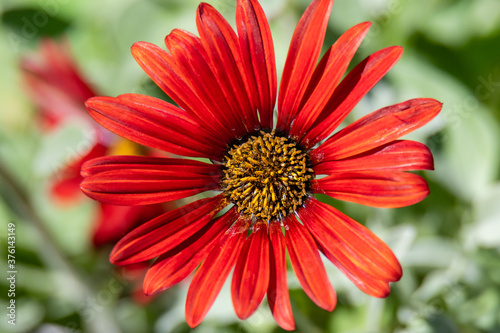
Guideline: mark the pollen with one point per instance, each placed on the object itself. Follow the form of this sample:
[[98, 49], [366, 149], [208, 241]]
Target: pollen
[[267, 176]]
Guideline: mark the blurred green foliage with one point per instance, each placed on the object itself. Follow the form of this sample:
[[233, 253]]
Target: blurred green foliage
[[449, 244]]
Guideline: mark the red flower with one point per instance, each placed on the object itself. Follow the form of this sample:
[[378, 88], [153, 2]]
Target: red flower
[[225, 85], [55, 85]]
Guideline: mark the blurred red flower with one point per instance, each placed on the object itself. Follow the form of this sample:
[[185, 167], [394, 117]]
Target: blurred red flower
[[56, 86], [226, 87]]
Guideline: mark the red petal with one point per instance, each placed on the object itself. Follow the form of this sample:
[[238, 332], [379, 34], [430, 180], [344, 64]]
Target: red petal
[[193, 62], [132, 187], [350, 91], [364, 281], [257, 50], [303, 55], [222, 46], [165, 232], [175, 265], [66, 190], [139, 180], [326, 77], [54, 105], [53, 66], [210, 277], [111, 163], [358, 252], [62, 71], [307, 264], [162, 69], [385, 189], [378, 128], [154, 123], [402, 155], [277, 294], [251, 274]]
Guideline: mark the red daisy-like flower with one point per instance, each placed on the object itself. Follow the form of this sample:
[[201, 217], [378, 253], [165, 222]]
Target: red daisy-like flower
[[225, 85]]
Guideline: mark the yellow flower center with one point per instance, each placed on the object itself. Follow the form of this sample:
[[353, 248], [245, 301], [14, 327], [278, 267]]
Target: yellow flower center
[[267, 176]]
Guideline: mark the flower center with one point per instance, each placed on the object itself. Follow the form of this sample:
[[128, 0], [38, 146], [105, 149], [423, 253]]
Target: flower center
[[267, 176]]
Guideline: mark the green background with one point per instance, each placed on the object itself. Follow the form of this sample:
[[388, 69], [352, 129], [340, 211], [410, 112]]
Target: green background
[[448, 245]]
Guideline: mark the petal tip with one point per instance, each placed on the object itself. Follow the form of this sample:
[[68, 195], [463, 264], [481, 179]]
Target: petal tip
[[117, 256], [397, 50], [90, 103], [288, 326], [203, 9], [136, 48], [193, 320], [149, 288], [366, 25], [382, 293]]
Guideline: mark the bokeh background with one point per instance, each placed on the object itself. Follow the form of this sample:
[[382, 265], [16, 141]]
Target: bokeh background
[[448, 245]]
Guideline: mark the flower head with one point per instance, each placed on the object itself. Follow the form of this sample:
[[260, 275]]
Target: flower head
[[225, 86]]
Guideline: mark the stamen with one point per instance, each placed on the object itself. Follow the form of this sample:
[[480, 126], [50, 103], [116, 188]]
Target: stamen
[[267, 176]]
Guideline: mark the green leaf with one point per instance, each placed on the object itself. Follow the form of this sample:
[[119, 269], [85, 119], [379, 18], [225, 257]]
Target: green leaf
[[33, 23]]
